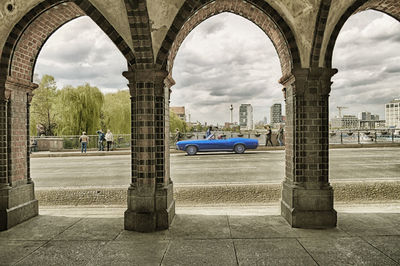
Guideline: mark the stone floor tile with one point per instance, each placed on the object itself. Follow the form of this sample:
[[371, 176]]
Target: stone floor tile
[[389, 245], [200, 252], [131, 253], [139, 237], [271, 226], [11, 251], [272, 251], [94, 229], [42, 227], [344, 251], [357, 224], [64, 253], [199, 226]]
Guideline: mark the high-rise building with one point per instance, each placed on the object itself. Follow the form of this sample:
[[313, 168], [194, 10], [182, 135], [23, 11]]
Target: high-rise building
[[276, 113], [392, 113], [364, 116], [246, 117]]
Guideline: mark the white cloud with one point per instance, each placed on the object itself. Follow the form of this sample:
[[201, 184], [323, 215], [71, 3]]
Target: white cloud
[[229, 60], [81, 52], [367, 55]]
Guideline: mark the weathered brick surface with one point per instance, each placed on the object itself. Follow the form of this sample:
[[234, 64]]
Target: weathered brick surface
[[36, 34], [307, 126]]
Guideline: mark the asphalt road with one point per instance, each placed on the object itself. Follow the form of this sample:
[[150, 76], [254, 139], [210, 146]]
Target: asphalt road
[[252, 167]]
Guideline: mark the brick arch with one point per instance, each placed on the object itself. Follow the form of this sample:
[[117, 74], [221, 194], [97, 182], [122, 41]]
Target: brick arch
[[389, 7], [32, 31], [192, 13]]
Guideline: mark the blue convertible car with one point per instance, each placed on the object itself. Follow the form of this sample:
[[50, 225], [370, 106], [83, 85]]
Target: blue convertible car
[[238, 145]]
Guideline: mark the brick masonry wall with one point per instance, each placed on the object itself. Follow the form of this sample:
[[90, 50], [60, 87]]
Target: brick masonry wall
[[307, 126], [35, 36]]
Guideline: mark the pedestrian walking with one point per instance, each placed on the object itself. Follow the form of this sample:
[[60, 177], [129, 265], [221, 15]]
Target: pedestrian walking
[[178, 135], [109, 139], [268, 135], [84, 140], [101, 139], [280, 135]]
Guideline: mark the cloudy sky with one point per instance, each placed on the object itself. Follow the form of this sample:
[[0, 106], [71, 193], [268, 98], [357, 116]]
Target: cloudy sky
[[228, 60]]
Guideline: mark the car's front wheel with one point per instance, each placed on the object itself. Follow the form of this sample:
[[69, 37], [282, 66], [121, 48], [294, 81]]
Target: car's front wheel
[[239, 148], [191, 150]]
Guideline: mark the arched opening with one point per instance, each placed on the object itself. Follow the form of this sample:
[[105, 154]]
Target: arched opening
[[366, 55], [18, 60], [87, 98], [227, 60]]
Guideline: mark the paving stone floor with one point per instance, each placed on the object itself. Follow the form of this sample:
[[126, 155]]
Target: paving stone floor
[[214, 236]]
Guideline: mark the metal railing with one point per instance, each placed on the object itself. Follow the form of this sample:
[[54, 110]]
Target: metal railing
[[351, 136]]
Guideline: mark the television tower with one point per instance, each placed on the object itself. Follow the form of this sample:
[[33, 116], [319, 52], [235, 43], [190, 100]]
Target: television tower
[[231, 108]]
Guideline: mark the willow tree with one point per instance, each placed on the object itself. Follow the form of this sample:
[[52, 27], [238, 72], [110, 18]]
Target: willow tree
[[117, 112], [80, 110], [176, 123], [43, 111]]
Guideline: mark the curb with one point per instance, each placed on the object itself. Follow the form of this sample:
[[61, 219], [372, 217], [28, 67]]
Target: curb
[[218, 194]]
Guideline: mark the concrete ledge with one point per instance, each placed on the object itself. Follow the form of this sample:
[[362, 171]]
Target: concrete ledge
[[192, 195], [18, 214]]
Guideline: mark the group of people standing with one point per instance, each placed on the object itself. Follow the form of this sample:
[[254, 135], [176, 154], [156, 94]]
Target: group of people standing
[[279, 137], [108, 138]]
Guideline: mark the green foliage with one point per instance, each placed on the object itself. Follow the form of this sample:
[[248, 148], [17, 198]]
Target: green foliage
[[43, 110], [176, 123], [80, 110], [117, 112]]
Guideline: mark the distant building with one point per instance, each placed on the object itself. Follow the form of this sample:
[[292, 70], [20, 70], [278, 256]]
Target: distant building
[[276, 113], [392, 113], [369, 121], [347, 121], [246, 117], [364, 116], [179, 111]]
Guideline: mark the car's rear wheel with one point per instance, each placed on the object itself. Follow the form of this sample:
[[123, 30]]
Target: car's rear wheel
[[191, 150], [239, 148]]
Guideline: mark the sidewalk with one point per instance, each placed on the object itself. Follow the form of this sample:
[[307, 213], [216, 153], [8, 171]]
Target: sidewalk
[[248, 235], [71, 153]]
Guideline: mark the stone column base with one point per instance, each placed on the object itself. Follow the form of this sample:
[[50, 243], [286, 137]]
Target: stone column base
[[150, 213], [17, 204], [308, 208]]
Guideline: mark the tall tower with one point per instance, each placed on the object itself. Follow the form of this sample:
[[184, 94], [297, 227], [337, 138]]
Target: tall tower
[[231, 108]]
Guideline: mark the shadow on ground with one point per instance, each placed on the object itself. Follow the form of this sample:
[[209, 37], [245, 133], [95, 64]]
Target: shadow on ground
[[68, 237]]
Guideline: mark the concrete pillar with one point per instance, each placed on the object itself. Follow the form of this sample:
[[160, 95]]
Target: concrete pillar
[[17, 198], [150, 196], [307, 196]]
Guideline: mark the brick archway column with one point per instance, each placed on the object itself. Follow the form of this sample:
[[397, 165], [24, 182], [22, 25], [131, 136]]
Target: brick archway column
[[307, 196], [17, 197], [150, 196]]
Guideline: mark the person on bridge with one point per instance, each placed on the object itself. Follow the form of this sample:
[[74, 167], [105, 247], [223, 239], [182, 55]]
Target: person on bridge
[[280, 135], [268, 136], [109, 139], [101, 139], [209, 132], [84, 140]]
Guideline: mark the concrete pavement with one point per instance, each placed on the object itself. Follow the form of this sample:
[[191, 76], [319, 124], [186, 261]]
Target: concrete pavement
[[249, 235]]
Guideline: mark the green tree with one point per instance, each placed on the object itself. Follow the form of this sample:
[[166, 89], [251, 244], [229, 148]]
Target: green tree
[[80, 110], [176, 123], [117, 112], [43, 109]]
